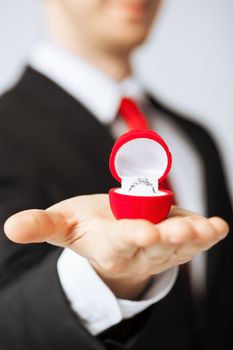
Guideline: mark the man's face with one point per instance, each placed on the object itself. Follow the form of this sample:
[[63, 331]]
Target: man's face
[[117, 25]]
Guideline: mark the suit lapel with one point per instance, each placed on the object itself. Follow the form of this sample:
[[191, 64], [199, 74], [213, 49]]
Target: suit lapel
[[93, 140]]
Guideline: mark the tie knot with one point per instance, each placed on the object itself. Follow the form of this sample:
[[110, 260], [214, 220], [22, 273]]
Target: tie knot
[[132, 115]]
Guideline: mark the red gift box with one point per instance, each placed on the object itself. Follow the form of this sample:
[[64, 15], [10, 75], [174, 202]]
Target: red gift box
[[140, 160]]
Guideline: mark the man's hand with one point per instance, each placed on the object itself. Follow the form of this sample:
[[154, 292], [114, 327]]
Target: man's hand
[[125, 253]]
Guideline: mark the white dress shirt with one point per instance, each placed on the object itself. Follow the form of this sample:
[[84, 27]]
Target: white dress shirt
[[95, 304]]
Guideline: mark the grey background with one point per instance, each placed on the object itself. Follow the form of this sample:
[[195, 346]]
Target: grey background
[[187, 62]]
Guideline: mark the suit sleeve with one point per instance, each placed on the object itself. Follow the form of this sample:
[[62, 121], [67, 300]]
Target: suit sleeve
[[34, 312]]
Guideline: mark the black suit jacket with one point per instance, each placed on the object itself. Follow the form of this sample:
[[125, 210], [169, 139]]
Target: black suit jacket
[[52, 148]]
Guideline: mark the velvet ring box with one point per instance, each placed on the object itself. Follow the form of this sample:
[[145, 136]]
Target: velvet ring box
[[140, 160]]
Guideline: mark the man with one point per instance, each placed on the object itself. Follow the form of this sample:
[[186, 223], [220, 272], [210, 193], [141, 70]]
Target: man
[[112, 287]]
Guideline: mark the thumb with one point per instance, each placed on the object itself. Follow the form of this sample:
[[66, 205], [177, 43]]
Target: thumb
[[34, 226]]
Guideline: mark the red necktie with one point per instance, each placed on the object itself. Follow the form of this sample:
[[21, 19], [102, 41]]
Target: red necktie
[[132, 115], [135, 119]]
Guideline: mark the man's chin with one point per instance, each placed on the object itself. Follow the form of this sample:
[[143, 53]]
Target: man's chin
[[132, 41]]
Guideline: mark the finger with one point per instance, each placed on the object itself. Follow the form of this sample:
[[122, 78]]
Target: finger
[[207, 231], [220, 226], [31, 226], [170, 235], [175, 231], [137, 233], [177, 211], [54, 225], [187, 251]]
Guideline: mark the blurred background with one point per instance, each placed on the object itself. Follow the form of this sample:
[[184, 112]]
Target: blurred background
[[187, 62]]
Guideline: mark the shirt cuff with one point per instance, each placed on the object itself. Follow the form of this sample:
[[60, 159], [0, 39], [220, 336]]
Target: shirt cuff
[[94, 303]]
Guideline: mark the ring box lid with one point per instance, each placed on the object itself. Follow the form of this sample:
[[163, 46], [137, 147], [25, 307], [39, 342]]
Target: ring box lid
[[140, 153]]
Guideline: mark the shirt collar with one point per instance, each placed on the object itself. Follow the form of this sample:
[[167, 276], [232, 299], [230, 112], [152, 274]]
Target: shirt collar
[[100, 94]]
